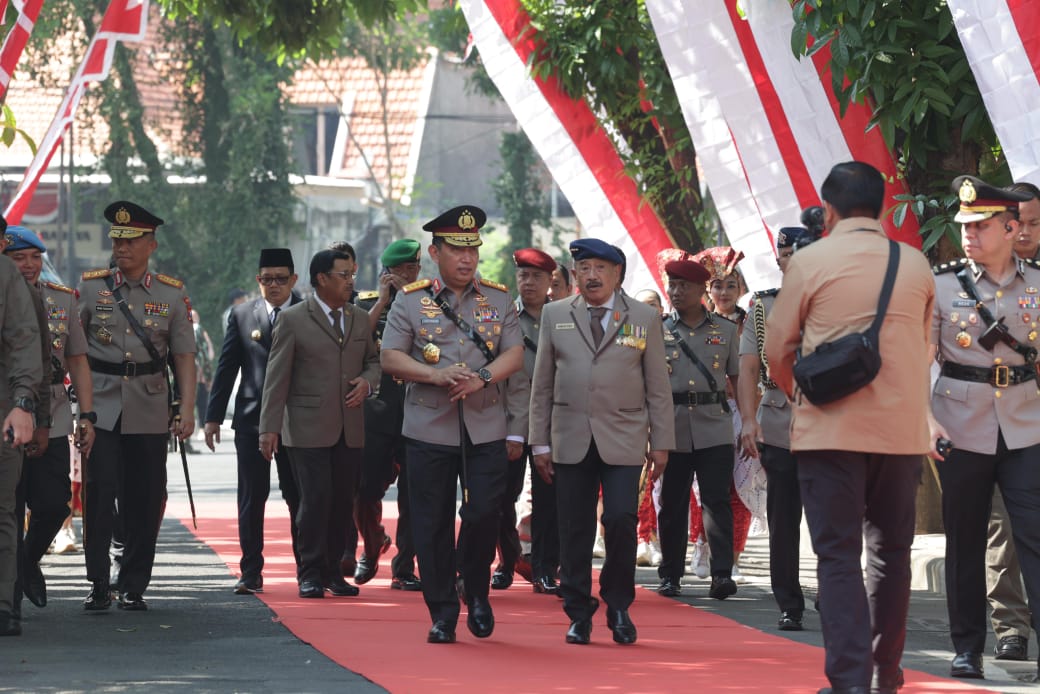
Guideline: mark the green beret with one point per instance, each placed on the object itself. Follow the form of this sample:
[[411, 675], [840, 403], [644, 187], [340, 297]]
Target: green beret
[[400, 251]]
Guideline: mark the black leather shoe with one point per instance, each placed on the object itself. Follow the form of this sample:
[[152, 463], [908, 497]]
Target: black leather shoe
[[410, 582], [580, 632], [669, 588], [311, 589], [547, 585], [480, 620], [621, 624], [132, 602], [10, 625], [1008, 648], [722, 587], [99, 598], [366, 570], [790, 621], [34, 585], [441, 632], [340, 588], [967, 666], [501, 579], [248, 586]]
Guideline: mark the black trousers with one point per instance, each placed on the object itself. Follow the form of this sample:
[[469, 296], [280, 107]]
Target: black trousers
[[128, 471], [327, 479], [254, 488], [509, 549], [434, 472], [851, 498], [784, 515], [577, 494], [967, 483], [45, 488], [383, 451], [545, 526], [714, 470]]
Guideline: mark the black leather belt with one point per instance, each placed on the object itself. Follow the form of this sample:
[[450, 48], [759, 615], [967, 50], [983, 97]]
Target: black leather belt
[[998, 376], [128, 369], [712, 398]]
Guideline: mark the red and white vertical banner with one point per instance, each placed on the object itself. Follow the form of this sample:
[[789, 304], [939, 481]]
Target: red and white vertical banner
[[124, 20], [569, 139], [764, 123], [17, 37], [1002, 41]]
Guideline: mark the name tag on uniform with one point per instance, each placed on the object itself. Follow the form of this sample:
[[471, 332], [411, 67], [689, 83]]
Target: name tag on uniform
[[429, 321], [565, 326], [963, 303]]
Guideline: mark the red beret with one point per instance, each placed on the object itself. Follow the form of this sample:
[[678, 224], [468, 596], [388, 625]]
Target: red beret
[[689, 270], [532, 257]]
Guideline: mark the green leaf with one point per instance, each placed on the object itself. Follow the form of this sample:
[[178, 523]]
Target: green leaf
[[899, 214]]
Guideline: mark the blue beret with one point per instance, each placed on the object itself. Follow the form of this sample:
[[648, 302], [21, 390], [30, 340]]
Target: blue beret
[[587, 249], [19, 238]]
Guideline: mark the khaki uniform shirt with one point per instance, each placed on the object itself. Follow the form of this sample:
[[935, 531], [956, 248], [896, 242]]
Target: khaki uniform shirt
[[418, 327], [714, 340], [20, 362], [774, 412], [43, 386], [161, 306], [518, 386], [973, 413], [830, 290], [66, 338]]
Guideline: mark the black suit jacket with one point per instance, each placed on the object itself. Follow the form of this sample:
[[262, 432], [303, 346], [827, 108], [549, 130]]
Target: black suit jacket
[[241, 352]]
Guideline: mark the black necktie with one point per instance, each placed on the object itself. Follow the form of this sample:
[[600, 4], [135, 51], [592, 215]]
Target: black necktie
[[334, 315], [597, 313], [274, 315]]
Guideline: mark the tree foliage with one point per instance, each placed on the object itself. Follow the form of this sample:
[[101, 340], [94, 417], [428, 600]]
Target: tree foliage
[[906, 61]]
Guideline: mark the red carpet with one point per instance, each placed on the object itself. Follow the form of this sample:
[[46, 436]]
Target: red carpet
[[382, 635]]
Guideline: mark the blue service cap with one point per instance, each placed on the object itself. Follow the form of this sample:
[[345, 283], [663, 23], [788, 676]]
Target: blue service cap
[[19, 238], [790, 236], [587, 249]]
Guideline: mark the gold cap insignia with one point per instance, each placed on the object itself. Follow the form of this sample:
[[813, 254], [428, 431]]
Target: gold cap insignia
[[467, 220], [122, 216], [967, 192]]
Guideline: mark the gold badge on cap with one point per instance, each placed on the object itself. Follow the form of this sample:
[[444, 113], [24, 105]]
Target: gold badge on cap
[[431, 353], [467, 220], [963, 339], [122, 216], [255, 335], [967, 192]]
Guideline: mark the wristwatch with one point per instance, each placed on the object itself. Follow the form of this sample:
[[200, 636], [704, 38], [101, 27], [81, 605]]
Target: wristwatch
[[485, 376], [89, 416], [27, 404]]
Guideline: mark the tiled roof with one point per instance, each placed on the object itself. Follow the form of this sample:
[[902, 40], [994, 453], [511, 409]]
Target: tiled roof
[[350, 82]]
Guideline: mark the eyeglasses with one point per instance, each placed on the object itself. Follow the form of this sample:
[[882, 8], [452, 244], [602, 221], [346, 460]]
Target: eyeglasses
[[268, 280], [343, 274]]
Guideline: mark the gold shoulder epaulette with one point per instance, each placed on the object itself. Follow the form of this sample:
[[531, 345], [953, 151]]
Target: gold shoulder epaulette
[[96, 274], [368, 296], [172, 281], [59, 287], [494, 285], [951, 266], [421, 284], [722, 319]]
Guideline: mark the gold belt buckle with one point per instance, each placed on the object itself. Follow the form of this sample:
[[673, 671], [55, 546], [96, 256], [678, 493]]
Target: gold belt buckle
[[1001, 376]]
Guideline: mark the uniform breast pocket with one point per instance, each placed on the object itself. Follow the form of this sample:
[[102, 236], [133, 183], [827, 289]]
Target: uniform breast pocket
[[952, 388], [424, 398], [154, 384]]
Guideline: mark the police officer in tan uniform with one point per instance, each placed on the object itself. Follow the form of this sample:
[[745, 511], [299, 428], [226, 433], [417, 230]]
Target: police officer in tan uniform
[[987, 401], [21, 367], [701, 350], [454, 365], [45, 486], [766, 433], [132, 399]]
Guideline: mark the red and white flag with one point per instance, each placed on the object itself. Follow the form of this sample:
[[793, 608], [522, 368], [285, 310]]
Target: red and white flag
[[124, 20], [17, 37], [1002, 41], [569, 139], [765, 124]]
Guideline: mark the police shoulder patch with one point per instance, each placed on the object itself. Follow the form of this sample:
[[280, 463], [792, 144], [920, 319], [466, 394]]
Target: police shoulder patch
[[421, 284], [494, 285], [96, 274], [172, 281], [368, 296], [951, 266], [59, 287]]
